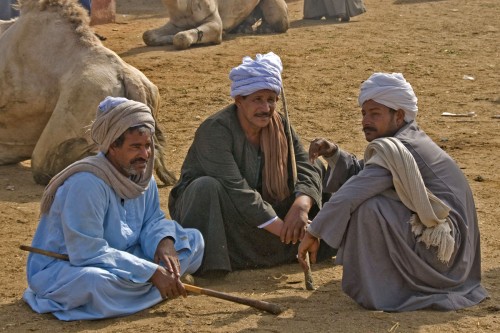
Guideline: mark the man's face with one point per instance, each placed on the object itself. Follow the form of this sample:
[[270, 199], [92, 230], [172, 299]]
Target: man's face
[[255, 110], [132, 157], [379, 121]]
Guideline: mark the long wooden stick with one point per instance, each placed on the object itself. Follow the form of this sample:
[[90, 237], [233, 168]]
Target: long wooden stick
[[261, 305], [307, 274]]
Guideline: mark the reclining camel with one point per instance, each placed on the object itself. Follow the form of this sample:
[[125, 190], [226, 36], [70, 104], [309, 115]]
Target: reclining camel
[[203, 21], [53, 73]]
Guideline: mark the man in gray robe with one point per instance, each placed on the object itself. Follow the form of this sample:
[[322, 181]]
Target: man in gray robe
[[333, 9], [389, 261], [237, 183]]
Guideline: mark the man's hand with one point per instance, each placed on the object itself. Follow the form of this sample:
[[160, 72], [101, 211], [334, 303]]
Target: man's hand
[[168, 284], [321, 147], [165, 254], [308, 244], [296, 220]]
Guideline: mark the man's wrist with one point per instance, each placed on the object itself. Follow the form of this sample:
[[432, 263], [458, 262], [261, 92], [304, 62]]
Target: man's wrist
[[304, 201], [171, 238]]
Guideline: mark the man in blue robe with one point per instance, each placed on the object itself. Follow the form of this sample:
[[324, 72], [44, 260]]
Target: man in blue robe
[[104, 213]]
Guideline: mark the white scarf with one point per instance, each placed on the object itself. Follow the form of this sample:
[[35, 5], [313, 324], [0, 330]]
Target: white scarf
[[430, 222]]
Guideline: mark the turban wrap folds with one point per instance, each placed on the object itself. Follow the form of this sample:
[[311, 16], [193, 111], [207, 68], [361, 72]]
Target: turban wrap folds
[[252, 75], [391, 90], [115, 115]]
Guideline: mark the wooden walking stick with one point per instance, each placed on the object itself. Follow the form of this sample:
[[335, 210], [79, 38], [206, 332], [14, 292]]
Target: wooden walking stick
[[261, 305], [307, 274]]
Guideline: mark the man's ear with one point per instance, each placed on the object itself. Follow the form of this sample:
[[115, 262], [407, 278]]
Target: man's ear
[[111, 149], [237, 100], [400, 117]]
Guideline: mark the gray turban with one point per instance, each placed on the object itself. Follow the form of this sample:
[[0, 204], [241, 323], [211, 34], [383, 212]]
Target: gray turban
[[391, 90], [114, 116], [253, 75]]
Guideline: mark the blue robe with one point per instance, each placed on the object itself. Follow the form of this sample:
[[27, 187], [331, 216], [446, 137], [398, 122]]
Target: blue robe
[[111, 244]]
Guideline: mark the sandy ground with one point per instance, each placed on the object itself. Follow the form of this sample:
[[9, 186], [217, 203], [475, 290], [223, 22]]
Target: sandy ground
[[448, 50]]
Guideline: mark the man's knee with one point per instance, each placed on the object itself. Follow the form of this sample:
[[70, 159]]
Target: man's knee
[[383, 208], [205, 185], [369, 210]]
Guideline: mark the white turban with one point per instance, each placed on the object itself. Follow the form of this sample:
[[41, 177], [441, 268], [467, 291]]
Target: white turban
[[252, 75], [391, 90], [114, 116]]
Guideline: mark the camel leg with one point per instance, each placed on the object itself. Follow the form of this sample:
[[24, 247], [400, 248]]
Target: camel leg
[[161, 36], [208, 32], [274, 15], [247, 26]]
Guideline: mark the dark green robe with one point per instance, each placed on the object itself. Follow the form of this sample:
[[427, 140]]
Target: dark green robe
[[219, 193]]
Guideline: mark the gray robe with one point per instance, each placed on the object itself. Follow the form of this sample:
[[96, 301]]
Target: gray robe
[[384, 267], [333, 8], [219, 193]]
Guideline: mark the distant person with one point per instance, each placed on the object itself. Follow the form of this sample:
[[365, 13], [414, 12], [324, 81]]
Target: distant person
[[335, 10], [104, 213], [7, 10], [87, 4], [403, 219], [237, 185]]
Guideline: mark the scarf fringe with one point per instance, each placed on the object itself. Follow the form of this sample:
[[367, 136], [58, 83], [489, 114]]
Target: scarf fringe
[[438, 236]]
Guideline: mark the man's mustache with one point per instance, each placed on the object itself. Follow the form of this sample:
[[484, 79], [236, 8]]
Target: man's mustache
[[139, 160], [263, 114], [368, 128]]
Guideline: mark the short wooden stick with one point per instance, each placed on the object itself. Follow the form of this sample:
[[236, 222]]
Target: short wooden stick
[[308, 275]]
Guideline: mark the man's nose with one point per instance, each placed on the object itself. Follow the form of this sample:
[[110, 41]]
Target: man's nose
[[145, 152], [365, 120]]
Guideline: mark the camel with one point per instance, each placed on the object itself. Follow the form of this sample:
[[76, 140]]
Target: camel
[[54, 72], [204, 21]]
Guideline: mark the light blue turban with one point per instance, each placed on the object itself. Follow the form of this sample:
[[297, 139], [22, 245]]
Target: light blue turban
[[391, 90], [252, 75], [114, 116]]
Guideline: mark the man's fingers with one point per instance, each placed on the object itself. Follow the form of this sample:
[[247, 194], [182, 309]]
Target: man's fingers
[[283, 233], [296, 235], [291, 235], [181, 289], [302, 233], [172, 265], [170, 293], [313, 156], [313, 256]]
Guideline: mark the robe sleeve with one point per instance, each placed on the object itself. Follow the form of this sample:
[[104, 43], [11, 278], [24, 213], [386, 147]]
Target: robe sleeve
[[157, 226], [308, 175], [336, 213], [83, 217], [341, 166]]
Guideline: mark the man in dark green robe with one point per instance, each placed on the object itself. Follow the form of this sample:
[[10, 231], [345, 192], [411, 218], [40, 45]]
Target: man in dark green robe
[[223, 190]]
